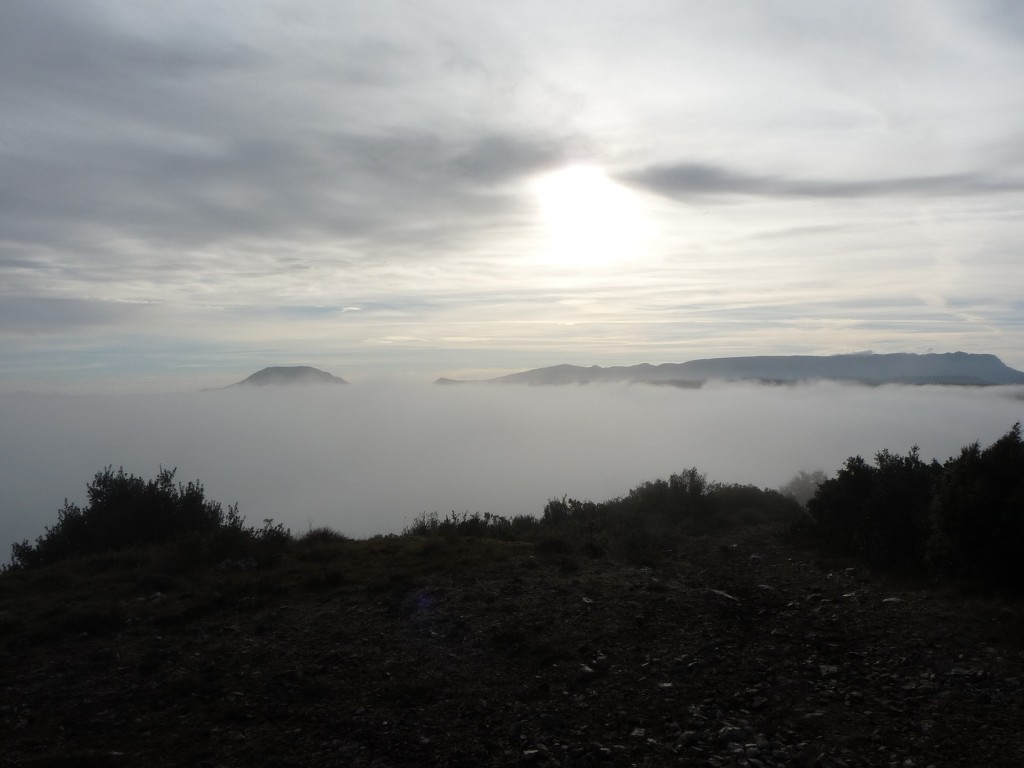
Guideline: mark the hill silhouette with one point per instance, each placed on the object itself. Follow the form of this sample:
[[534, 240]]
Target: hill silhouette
[[952, 368], [289, 376]]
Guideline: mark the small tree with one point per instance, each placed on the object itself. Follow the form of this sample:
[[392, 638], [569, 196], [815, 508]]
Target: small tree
[[556, 512], [837, 504], [803, 485], [978, 513], [689, 484], [879, 513], [123, 511], [896, 522]]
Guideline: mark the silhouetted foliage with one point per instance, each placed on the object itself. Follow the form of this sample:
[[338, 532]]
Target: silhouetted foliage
[[747, 504], [964, 518], [637, 527], [878, 512], [321, 535], [478, 525], [269, 542], [689, 503], [978, 513], [127, 511], [684, 493]]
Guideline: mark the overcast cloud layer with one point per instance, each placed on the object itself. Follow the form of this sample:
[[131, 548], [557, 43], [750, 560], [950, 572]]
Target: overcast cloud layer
[[368, 460], [191, 191]]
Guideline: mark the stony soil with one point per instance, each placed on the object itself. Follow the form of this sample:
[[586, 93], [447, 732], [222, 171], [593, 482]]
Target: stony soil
[[737, 650]]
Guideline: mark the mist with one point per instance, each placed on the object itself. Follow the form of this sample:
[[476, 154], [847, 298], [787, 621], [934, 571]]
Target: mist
[[368, 458]]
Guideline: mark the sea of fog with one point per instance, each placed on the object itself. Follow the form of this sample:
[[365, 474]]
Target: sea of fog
[[368, 458]]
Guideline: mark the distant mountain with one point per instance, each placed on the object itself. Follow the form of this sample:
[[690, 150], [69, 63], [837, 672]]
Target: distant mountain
[[952, 368], [289, 376]]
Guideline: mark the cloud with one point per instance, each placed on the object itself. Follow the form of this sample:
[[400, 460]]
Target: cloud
[[696, 180], [182, 140], [31, 315], [497, 158]]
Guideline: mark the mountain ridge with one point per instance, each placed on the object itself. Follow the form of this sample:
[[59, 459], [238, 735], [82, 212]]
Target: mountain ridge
[[948, 368], [294, 375]]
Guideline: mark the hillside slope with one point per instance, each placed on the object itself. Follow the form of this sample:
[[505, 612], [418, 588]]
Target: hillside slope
[[461, 652]]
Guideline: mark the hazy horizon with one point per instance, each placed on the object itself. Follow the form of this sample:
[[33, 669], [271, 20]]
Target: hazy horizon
[[368, 460], [177, 385]]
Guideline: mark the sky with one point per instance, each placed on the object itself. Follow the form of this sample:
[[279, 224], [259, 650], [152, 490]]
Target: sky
[[192, 191]]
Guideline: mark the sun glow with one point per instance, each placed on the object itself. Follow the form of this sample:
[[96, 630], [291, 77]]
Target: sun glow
[[589, 219]]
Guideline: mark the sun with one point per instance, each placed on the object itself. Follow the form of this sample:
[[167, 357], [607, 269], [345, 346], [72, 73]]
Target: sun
[[589, 219]]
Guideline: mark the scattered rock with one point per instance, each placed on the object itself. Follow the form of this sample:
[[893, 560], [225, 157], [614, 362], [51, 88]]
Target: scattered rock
[[722, 593], [813, 672]]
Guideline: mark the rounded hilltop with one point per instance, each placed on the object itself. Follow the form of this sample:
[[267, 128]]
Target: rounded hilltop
[[289, 375]]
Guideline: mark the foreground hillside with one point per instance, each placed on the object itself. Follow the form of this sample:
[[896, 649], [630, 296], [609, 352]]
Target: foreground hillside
[[732, 648]]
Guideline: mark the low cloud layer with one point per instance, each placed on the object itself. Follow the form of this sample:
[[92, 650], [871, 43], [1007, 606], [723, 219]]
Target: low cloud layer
[[368, 460]]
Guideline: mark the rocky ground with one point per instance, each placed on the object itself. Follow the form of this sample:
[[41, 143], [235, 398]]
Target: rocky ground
[[737, 649]]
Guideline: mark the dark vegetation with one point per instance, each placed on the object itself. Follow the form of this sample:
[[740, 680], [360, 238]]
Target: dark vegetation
[[126, 512], [962, 519], [635, 528]]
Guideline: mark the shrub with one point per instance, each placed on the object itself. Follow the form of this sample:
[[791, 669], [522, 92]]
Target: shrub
[[320, 536], [474, 525], [878, 513], [123, 510], [978, 513], [683, 494], [837, 504], [751, 505], [270, 543], [640, 526], [126, 511], [964, 518]]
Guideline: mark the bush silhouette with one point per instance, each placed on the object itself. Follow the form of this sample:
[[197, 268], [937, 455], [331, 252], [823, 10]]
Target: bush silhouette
[[476, 525], [964, 518], [736, 503], [978, 513], [127, 511], [878, 512], [638, 527]]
